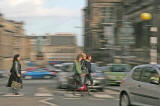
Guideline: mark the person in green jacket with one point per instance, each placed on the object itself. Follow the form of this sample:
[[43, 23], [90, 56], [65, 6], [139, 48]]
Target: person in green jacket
[[77, 71]]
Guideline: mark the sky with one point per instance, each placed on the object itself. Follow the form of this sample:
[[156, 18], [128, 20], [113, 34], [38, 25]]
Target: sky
[[46, 16]]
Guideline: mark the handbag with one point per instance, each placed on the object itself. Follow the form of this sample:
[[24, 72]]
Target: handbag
[[16, 85]]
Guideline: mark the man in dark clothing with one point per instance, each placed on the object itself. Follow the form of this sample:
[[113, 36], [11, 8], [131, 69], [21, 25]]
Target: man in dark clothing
[[88, 75]]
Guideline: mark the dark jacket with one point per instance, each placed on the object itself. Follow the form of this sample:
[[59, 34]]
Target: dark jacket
[[88, 66], [15, 70]]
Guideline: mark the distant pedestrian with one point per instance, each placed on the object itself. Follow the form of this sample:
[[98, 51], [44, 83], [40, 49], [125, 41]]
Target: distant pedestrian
[[15, 81]]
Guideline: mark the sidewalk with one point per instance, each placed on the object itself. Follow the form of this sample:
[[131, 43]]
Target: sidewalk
[[21, 101]]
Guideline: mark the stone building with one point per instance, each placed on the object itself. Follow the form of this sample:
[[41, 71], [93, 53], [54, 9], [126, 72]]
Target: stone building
[[101, 19], [143, 33], [12, 41], [60, 47]]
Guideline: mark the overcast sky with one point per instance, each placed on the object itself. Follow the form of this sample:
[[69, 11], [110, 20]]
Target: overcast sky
[[46, 16]]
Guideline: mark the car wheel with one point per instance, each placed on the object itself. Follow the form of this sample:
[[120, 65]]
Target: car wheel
[[124, 100]]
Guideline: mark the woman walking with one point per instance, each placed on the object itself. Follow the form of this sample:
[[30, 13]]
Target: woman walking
[[15, 81], [77, 72]]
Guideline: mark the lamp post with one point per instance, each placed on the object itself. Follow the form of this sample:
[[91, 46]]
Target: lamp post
[[153, 39]]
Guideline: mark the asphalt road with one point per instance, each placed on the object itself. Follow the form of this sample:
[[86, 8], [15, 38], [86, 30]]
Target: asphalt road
[[44, 93]]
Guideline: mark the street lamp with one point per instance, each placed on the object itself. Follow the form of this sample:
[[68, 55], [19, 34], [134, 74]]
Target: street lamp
[[146, 16], [153, 40]]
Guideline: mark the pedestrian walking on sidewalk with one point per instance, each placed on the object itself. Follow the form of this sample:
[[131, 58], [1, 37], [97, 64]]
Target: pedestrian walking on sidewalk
[[15, 81]]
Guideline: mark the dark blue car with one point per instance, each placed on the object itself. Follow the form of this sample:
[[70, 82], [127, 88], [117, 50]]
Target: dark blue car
[[37, 73]]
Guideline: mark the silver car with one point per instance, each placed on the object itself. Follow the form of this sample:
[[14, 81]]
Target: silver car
[[141, 87]]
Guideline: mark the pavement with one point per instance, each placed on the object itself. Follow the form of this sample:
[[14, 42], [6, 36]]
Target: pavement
[[21, 101], [44, 93], [114, 88]]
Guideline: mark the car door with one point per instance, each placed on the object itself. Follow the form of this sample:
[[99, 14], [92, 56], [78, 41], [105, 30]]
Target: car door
[[134, 85], [149, 92]]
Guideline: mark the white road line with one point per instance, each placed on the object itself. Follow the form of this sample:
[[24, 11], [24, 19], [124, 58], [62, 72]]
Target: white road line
[[103, 96], [95, 99], [71, 98], [12, 95], [43, 94], [45, 101]]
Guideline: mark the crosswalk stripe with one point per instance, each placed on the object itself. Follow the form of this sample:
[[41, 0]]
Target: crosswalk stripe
[[71, 98], [95, 99], [12, 95], [103, 96], [43, 94]]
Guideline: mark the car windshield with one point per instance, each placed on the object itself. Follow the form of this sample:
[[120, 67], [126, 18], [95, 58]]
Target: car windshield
[[119, 68]]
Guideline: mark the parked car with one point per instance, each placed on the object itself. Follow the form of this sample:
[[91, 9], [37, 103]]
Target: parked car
[[62, 76], [37, 73], [141, 87], [115, 73], [97, 75]]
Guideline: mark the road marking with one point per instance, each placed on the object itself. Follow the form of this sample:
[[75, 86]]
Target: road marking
[[71, 98], [45, 101], [12, 95], [103, 96], [43, 94], [95, 99]]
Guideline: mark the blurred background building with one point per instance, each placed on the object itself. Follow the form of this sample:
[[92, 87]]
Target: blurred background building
[[101, 19], [52, 49], [12, 41], [115, 32], [142, 48], [40, 49]]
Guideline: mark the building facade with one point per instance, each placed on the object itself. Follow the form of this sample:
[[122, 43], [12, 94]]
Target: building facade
[[101, 19], [142, 49], [12, 41], [60, 47]]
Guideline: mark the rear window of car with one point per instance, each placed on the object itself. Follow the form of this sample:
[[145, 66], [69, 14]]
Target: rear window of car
[[119, 68]]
